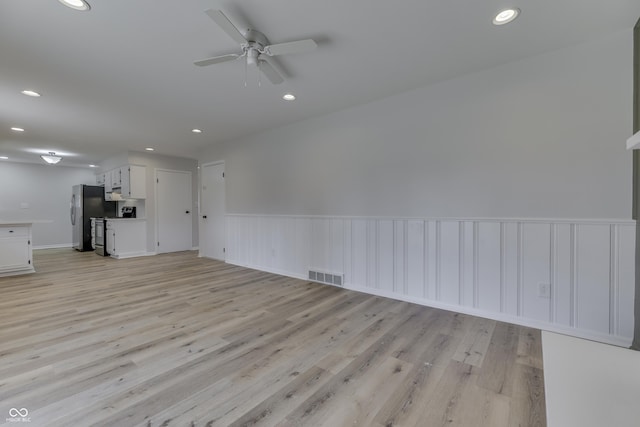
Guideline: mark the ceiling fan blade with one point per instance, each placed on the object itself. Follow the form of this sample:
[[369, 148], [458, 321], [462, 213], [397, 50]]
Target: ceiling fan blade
[[299, 46], [226, 25], [216, 60], [272, 75]]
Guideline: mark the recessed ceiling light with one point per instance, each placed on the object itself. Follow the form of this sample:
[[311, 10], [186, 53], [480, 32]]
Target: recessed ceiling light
[[76, 4], [15, 129], [93, 166], [149, 149], [506, 16], [288, 97], [30, 93], [196, 131], [4, 158]]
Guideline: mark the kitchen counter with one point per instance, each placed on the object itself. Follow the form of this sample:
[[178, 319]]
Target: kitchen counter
[[15, 247], [126, 237]]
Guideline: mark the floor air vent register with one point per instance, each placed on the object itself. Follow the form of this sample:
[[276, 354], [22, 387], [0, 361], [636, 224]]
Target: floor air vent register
[[328, 278]]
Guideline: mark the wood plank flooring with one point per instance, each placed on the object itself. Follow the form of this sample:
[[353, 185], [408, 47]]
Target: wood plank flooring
[[176, 340]]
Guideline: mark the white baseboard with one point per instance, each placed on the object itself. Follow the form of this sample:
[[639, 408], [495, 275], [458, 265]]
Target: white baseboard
[[57, 246], [131, 255], [17, 272]]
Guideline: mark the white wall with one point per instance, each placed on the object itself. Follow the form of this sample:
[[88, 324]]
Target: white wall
[[114, 162], [46, 190], [541, 138]]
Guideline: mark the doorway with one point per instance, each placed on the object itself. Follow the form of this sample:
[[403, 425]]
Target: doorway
[[212, 211], [174, 205]]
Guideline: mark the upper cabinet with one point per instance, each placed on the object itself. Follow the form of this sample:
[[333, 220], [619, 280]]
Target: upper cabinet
[[116, 177], [126, 182], [133, 182]]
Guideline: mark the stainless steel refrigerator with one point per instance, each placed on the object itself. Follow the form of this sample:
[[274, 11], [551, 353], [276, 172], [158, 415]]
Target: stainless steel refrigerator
[[87, 201]]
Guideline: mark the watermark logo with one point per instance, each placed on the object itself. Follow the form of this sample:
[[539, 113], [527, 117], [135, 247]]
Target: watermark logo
[[18, 415]]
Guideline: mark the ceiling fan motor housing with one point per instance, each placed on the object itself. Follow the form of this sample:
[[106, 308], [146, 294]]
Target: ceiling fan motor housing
[[255, 46]]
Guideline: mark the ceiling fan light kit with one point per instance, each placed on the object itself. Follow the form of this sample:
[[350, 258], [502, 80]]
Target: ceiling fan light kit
[[254, 47]]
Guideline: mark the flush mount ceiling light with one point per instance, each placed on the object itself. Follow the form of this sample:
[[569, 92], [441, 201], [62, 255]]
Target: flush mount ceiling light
[[93, 166], [51, 158], [196, 131], [289, 97], [16, 129], [4, 158], [76, 4], [506, 16], [31, 93], [149, 149]]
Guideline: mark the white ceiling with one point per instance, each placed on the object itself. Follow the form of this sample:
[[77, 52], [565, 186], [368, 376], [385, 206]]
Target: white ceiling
[[121, 76]]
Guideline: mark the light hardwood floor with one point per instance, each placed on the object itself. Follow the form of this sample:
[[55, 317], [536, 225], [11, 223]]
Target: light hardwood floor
[[176, 340]]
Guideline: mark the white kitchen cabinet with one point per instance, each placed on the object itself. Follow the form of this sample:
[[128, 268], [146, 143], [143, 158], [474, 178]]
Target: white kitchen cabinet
[[106, 178], [112, 179], [15, 249], [108, 185], [126, 237], [126, 182], [116, 178], [133, 182], [100, 179]]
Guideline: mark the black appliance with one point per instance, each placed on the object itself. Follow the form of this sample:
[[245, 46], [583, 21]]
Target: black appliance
[[129, 212], [87, 201]]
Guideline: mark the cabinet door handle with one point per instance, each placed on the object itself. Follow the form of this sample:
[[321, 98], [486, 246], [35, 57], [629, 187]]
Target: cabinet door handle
[[188, 212], [10, 231], [204, 216]]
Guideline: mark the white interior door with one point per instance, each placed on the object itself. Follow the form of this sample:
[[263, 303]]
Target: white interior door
[[174, 206], [212, 211]]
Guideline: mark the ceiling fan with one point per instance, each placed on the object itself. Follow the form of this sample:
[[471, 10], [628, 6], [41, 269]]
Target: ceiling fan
[[255, 46]]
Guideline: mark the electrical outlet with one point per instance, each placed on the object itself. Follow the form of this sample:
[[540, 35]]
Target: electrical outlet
[[544, 290]]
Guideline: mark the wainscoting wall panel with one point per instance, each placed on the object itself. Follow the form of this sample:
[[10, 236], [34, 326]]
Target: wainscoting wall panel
[[568, 276]]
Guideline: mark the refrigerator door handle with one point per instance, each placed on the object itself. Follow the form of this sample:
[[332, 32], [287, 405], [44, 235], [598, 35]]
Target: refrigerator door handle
[[73, 210]]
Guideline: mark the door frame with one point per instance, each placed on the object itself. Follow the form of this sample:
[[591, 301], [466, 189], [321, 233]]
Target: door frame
[[200, 225], [157, 211]]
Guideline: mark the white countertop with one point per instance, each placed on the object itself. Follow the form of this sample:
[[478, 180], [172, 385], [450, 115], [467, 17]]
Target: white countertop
[[24, 221], [126, 219]]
